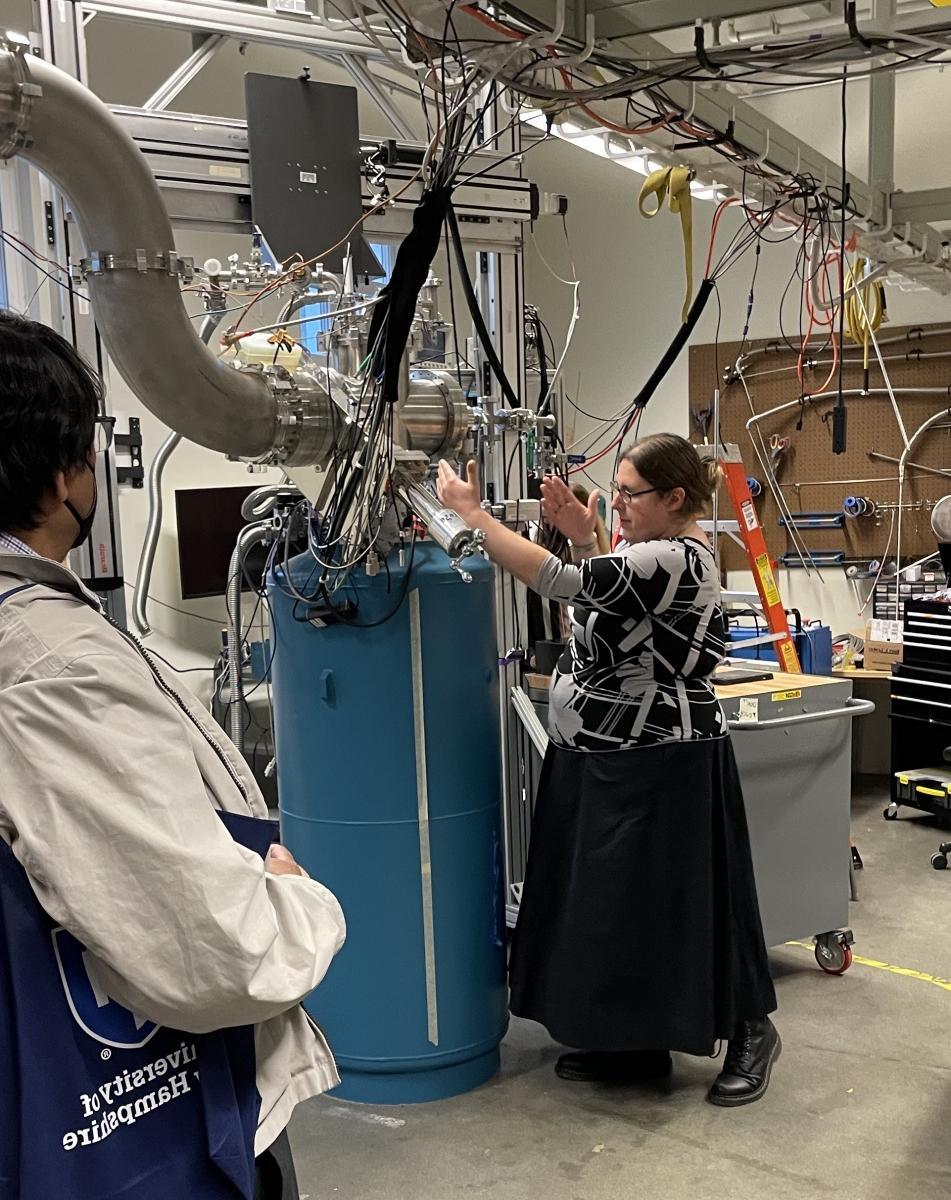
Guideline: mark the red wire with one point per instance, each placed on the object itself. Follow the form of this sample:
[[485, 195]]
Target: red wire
[[632, 428], [721, 207]]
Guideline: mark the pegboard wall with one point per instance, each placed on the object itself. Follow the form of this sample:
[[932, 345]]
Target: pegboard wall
[[811, 477]]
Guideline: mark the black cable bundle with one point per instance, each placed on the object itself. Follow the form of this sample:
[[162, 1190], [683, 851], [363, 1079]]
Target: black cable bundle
[[678, 343], [393, 316]]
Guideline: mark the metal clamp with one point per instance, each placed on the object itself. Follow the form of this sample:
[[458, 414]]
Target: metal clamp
[[853, 708], [25, 92], [100, 262]]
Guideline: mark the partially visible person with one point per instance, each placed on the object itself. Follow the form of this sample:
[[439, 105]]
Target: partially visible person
[[154, 946], [602, 539]]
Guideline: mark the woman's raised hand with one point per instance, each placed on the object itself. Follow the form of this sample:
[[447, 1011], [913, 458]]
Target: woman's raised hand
[[563, 510]]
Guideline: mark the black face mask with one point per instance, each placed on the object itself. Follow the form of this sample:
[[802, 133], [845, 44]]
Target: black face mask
[[84, 523]]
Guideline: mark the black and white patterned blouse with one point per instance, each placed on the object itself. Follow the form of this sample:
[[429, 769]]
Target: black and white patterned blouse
[[647, 632]]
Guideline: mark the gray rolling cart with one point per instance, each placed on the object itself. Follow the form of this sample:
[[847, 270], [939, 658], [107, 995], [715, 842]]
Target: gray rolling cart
[[793, 741], [792, 735]]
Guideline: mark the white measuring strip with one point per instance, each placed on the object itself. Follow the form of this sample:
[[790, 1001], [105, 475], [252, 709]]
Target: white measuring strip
[[422, 797]]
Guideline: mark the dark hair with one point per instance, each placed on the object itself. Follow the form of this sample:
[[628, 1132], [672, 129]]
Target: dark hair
[[667, 461], [49, 400]]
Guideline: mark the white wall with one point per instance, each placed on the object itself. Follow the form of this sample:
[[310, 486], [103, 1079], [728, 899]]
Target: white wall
[[631, 296]]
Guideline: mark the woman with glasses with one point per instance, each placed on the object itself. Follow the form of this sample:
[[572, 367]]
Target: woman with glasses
[[639, 930]]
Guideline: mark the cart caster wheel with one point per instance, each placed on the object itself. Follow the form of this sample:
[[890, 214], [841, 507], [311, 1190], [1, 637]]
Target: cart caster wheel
[[890, 813], [939, 862], [834, 957]]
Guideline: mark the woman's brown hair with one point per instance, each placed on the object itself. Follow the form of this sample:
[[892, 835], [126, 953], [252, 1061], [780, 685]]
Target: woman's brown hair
[[667, 461]]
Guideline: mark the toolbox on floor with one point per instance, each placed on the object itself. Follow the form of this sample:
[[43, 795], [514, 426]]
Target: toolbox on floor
[[928, 788]]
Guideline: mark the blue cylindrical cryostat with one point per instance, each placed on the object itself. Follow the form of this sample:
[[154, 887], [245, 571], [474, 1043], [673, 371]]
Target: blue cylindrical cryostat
[[387, 745]]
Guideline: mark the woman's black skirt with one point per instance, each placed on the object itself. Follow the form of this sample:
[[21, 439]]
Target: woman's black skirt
[[639, 926]]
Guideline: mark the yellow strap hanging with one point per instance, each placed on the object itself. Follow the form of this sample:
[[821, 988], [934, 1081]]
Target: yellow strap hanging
[[674, 183], [863, 317]]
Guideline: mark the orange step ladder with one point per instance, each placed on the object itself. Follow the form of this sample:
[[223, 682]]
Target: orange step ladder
[[750, 533]]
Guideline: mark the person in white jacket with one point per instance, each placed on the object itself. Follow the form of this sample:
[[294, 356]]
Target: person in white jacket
[[113, 779]]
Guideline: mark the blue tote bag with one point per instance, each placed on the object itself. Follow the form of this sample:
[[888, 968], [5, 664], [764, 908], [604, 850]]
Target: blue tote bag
[[98, 1103]]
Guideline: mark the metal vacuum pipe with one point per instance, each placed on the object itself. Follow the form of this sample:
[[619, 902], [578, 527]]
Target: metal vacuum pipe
[[67, 133]]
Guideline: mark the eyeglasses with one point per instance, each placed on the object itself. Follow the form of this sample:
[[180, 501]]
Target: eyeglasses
[[626, 494], [105, 431]]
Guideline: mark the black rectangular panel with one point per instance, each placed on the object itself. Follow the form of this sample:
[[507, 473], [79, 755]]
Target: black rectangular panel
[[209, 521], [304, 146]]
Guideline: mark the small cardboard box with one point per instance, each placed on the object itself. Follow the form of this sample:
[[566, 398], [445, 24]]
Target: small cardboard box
[[883, 646]]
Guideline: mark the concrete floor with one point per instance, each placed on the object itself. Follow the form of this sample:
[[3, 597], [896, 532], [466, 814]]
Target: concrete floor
[[860, 1103]]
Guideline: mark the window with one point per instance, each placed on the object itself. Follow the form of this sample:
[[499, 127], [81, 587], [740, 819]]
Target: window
[[318, 315]]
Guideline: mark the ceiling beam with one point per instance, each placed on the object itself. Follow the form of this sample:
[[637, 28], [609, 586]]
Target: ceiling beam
[[243, 21], [654, 16]]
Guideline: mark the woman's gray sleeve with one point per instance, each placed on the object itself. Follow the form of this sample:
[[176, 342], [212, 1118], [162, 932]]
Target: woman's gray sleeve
[[558, 580]]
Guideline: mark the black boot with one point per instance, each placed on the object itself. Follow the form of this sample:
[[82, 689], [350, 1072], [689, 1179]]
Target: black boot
[[614, 1066], [753, 1049]]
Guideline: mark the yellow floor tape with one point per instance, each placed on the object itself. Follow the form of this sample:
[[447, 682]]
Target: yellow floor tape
[[907, 972]]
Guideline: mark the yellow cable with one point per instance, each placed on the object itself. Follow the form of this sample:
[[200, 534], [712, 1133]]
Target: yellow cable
[[861, 322], [674, 183]]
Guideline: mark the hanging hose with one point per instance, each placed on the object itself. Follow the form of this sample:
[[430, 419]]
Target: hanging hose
[[143, 576]]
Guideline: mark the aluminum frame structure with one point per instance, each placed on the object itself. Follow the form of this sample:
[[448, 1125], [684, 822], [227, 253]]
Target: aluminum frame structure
[[202, 167]]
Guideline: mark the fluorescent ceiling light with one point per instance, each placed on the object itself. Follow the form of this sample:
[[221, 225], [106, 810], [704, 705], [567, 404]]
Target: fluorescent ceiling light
[[594, 142]]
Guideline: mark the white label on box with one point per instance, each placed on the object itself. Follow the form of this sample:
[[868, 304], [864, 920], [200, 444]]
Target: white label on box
[[749, 708], [884, 631]]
